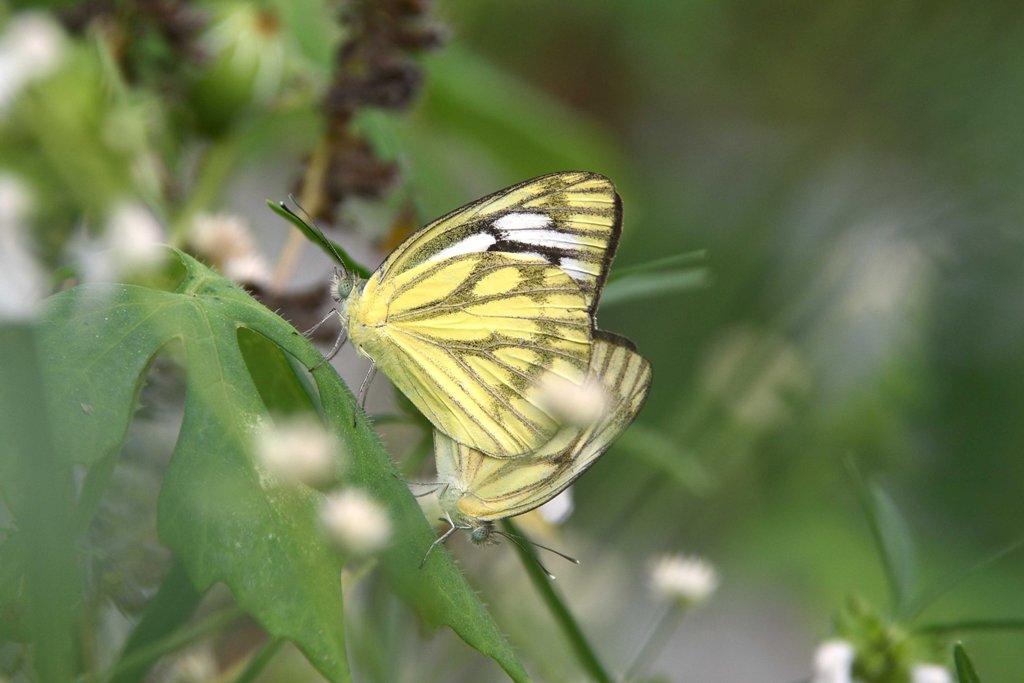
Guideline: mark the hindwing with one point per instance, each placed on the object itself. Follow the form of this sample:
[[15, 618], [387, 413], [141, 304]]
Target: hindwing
[[485, 489]]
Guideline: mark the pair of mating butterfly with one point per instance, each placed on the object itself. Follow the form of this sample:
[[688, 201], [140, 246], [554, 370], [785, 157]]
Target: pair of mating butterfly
[[482, 315]]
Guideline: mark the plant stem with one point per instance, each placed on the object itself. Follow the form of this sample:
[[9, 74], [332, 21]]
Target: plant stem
[[581, 647], [688, 258], [926, 601], [176, 641], [260, 660], [972, 625], [657, 638]]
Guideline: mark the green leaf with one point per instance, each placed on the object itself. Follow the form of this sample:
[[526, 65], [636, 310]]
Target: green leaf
[[38, 489], [333, 250], [221, 518], [965, 672], [899, 552], [648, 285], [170, 608], [669, 275], [664, 454], [892, 537]]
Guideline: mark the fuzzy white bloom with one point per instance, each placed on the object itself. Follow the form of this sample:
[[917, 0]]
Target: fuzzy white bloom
[[558, 509], [297, 451], [226, 241], [32, 47], [690, 580], [134, 236], [833, 662], [930, 673], [22, 283], [356, 521], [576, 404], [196, 666], [131, 243]]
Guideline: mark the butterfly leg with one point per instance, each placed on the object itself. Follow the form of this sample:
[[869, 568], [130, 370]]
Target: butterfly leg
[[342, 338], [309, 333], [339, 342], [364, 389], [440, 541]]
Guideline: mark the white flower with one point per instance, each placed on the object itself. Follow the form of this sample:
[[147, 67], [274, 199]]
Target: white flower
[[131, 243], [833, 662], [297, 451], [576, 404], [196, 666], [32, 47], [225, 240], [134, 236], [930, 673], [356, 521], [22, 283], [687, 579], [558, 509]]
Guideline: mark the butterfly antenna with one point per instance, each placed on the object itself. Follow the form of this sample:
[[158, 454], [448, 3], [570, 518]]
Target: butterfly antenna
[[531, 555], [311, 224], [512, 537]]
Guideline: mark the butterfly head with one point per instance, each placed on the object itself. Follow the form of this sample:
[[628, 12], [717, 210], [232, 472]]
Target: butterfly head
[[482, 534], [342, 283]]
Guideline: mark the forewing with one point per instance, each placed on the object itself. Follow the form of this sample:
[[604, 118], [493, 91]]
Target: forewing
[[495, 489], [470, 340], [571, 220]]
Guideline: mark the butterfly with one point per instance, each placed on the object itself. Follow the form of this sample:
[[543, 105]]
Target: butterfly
[[478, 490], [473, 312]]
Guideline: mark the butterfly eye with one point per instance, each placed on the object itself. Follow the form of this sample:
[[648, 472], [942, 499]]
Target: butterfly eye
[[480, 534], [341, 285]]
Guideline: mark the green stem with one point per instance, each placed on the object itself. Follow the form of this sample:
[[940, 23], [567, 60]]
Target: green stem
[[971, 625], [875, 525], [688, 258], [946, 586], [219, 162], [581, 647], [260, 660], [172, 643], [656, 640]]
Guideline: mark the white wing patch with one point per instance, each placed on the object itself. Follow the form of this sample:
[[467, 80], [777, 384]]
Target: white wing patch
[[522, 221], [577, 270], [552, 239], [477, 242]]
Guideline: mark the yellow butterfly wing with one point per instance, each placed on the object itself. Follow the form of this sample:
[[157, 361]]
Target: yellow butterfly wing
[[470, 314], [484, 489], [571, 219], [470, 340]]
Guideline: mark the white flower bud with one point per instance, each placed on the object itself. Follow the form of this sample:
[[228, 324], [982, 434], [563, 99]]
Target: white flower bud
[[576, 404], [356, 521], [298, 451], [558, 509], [833, 662], [225, 240], [22, 283], [930, 673], [32, 47], [690, 580]]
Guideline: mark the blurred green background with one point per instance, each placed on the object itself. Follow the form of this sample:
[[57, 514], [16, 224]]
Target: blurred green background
[[853, 171]]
